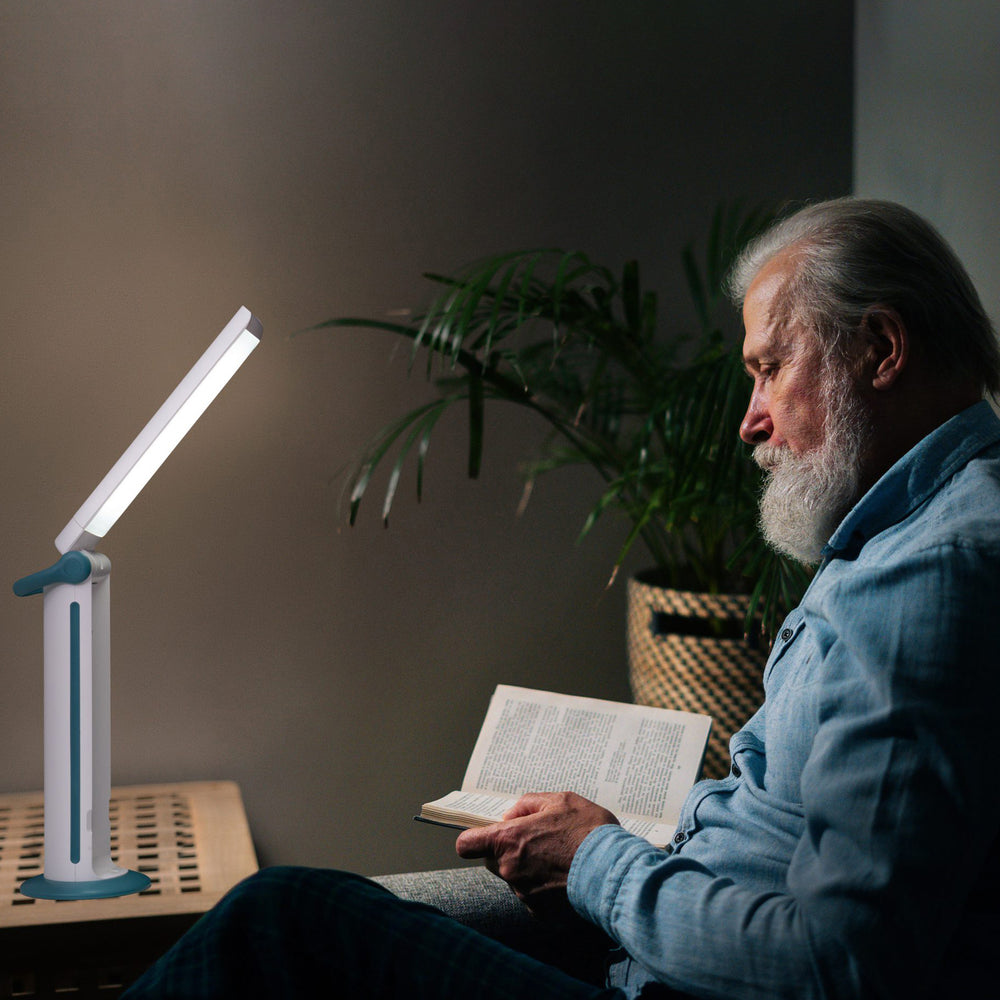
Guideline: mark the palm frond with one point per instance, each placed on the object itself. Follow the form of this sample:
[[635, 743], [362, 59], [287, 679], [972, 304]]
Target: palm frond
[[654, 413]]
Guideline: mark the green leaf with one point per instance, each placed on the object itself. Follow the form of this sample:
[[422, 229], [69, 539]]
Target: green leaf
[[696, 287], [476, 425], [631, 297]]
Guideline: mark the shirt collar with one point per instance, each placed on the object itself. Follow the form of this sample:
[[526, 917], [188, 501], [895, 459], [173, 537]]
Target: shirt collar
[[920, 473]]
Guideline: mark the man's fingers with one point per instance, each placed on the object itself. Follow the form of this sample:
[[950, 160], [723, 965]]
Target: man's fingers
[[476, 842], [527, 804]]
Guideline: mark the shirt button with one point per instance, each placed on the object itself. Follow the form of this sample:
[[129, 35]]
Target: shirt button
[[680, 837], [786, 634], [736, 770]]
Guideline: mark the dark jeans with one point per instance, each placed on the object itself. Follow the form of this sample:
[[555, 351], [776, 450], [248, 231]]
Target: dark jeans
[[306, 932]]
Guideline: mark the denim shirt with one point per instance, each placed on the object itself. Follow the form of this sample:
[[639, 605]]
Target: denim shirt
[[853, 850]]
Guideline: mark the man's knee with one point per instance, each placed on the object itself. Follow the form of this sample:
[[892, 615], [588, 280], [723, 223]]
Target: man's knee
[[296, 894], [278, 885]]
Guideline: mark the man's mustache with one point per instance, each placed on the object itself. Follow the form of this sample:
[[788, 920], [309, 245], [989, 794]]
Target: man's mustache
[[770, 456]]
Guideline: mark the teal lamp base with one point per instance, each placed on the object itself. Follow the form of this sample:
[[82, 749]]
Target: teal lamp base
[[41, 887]]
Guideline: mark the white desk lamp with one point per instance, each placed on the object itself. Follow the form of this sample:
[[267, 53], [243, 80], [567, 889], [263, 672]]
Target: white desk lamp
[[77, 625]]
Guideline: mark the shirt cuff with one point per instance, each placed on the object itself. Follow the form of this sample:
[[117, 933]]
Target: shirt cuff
[[598, 868]]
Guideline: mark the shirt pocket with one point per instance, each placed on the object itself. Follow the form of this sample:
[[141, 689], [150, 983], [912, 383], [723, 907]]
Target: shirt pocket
[[793, 698], [785, 653]]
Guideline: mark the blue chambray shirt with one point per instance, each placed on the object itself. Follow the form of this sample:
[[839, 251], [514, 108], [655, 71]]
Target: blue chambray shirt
[[854, 849]]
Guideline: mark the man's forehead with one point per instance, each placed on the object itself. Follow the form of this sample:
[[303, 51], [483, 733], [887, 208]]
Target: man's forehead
[[768, 321], [772, 277], [777, 340]]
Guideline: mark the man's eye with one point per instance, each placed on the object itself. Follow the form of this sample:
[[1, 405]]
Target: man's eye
[[759, 372]]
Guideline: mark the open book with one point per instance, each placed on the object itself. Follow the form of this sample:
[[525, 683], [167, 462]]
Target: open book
[[636, 760]]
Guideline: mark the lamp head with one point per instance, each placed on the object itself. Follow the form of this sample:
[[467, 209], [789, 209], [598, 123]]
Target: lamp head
[[161, 435]]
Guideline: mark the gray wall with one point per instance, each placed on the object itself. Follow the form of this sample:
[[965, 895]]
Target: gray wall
[[927, 121], [164, 162]]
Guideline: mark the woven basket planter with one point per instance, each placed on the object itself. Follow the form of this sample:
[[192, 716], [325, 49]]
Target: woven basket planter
[[687, 651]]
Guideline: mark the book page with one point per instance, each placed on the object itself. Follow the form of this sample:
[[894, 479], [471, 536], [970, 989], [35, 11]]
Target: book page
[[635, 760]]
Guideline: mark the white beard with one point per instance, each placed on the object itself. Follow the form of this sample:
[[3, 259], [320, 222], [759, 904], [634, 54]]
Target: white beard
[[806, 496]]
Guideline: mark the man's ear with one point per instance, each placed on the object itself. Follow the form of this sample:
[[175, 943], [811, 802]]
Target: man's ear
[[887, 345]]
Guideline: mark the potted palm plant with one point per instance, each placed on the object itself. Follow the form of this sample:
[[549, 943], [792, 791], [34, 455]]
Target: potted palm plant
[[654, 412]]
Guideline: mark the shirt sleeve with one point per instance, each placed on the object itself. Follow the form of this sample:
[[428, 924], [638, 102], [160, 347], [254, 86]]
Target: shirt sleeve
[[898, 811]]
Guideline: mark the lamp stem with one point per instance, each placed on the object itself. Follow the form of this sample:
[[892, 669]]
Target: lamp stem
[[77, 626]]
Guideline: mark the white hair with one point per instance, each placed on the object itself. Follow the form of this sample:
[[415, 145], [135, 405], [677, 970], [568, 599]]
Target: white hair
[[851, 254]]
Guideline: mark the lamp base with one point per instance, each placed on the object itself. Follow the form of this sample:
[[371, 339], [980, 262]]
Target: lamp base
[[41, 887]]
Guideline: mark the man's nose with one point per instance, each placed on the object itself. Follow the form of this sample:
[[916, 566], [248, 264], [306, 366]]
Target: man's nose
[[756, 427]]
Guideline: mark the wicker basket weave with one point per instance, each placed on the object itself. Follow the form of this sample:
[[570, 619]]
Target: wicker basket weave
[[687, 651]]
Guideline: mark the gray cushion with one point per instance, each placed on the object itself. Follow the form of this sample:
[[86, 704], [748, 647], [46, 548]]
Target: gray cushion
[[473, 896], [477, 898]]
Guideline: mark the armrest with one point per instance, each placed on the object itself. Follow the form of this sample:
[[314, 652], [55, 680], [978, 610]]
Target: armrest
[[478, 899], [473, 896]]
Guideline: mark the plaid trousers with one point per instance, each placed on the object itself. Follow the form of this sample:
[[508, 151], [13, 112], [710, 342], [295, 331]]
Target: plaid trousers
[[305, 932]]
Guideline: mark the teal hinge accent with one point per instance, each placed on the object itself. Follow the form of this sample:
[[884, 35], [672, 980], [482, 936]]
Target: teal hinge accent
[[74, 567]]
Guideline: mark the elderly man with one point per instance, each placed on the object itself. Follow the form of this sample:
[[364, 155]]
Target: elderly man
[[853, 850]]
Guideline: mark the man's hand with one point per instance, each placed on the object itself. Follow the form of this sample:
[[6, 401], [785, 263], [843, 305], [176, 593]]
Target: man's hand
[[532, 848]]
